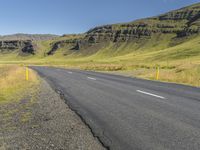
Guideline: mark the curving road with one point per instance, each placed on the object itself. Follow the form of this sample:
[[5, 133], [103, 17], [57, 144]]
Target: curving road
[[129, 113]]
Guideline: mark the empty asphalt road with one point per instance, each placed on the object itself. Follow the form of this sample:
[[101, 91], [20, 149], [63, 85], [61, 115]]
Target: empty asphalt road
[[129, 113]]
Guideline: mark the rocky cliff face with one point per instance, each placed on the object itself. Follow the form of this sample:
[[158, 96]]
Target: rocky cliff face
[[182, 22], [185, 21], [24, 46], [61, 44]]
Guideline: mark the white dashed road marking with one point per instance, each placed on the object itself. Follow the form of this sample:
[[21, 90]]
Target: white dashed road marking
[[143, 92], [91, 78]]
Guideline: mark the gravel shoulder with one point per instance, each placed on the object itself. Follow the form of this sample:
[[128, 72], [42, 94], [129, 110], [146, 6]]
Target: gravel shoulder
[[43, 121]]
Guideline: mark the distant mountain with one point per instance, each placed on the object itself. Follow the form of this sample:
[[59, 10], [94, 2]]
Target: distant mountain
[[159, 32], [32, 37], [182, 22], [176, 33]]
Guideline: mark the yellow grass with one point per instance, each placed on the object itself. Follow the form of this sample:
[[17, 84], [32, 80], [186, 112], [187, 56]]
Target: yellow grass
[[13, 85], [179, 73], [179, 62]]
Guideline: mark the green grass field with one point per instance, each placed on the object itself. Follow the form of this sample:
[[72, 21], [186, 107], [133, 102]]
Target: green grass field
[[179, 63], [157, 42]]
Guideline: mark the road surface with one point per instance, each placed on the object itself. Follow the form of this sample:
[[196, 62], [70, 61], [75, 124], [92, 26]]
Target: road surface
[[129, 113]]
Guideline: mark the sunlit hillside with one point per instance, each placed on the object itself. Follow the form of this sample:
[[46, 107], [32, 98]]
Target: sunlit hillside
[[170, 41]]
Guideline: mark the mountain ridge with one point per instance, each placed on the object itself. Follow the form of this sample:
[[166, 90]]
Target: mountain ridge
[[23, 36], [169, 41], [157, 32]]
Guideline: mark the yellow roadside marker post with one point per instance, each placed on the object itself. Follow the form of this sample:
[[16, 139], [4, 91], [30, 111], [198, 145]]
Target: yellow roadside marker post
[[157, 73], [27, 74]]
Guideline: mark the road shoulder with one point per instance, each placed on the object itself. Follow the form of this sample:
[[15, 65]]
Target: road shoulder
[[44, 122]]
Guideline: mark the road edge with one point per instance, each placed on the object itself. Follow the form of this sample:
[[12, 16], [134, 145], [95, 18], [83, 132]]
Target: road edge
[[66, 101]]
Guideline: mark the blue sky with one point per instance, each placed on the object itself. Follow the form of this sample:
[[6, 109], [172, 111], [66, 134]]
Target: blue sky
[[76, 16]]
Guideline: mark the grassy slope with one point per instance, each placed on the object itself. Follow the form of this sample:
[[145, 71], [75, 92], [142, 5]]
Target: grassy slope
[[179, 63], [178, 58]]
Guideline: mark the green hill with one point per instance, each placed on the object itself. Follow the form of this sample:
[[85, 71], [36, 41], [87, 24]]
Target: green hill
[[170, 40]]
